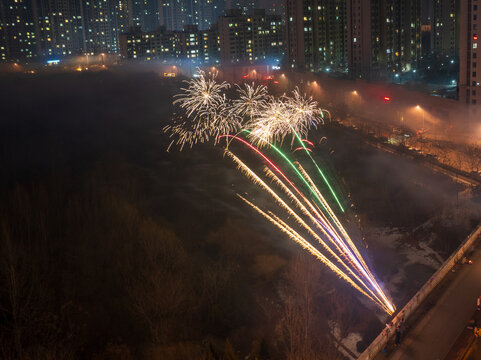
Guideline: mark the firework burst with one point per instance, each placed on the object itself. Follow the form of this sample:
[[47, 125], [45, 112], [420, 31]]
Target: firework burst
[[305, 112], [265, 122], [201, 95], [251, 98], [208, 112]]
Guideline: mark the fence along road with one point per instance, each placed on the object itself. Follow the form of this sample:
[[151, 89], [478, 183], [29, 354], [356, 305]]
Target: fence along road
[[380, 342]]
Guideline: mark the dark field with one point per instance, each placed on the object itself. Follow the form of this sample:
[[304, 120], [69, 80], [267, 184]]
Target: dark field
[[113, 248]]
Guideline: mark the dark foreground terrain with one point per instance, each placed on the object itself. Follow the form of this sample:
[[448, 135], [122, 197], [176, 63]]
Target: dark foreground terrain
[[113, 248]]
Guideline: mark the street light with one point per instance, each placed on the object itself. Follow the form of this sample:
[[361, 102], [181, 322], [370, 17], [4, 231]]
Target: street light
[[419, 108], [357, 96]]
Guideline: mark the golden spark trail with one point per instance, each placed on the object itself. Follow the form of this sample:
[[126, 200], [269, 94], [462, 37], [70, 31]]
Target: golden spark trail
[[358, 256], [307, 246], [256, 179], [344, 276], [335, 240], [332, 215], [348, 253], [306, 212], [309, 183], [210, 115], [294, 199]]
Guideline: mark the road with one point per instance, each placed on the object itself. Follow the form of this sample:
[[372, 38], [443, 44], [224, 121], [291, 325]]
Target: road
[[433, 336]]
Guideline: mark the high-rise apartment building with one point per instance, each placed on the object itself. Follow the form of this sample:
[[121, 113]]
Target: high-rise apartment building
[[245, 6], [104, 21], [191, 44], [58, 27], [274, 7], [208, 13], [144, 14], [175, 14], [425, 40], [171, 15], [445, 27], [316, 34], [235, 37], [470, 53], [383, 37], [17, 30], [250, 38]]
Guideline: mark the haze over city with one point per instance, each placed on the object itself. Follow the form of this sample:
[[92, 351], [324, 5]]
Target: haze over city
[[276, 179]]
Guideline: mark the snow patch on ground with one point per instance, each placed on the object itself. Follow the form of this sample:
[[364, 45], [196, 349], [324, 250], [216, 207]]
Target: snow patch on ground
[[347, 345], [350, 341]]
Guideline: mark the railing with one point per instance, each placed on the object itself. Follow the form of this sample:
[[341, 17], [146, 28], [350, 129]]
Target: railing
[[380, 342]]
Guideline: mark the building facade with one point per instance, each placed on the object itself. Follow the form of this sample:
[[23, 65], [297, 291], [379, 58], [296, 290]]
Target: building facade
[[43, 29], [191, 44], [144, 14], [470, 45], [445, 28], [316, 35], [59, 27], [104, 21], [17, 30], [175, 14], [384, 37], [245, 6], [244, 39]]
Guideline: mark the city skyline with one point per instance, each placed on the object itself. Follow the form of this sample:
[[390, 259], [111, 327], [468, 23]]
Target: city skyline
[[240, 179], [389, 40]]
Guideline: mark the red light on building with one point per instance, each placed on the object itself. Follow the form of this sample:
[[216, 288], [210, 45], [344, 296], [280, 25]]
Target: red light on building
[[387, 98], [245, 76]]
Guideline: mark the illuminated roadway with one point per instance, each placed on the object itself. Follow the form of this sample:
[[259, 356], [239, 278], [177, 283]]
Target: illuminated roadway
[[435, 333]]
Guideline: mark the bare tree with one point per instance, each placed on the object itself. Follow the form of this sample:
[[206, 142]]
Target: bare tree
[[295, 327]]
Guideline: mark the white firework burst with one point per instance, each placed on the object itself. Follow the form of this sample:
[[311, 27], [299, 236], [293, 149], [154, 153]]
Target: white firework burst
[[202, 95], [270, 122], [251, 98], [210, 115], [208, 112], [304, 112]]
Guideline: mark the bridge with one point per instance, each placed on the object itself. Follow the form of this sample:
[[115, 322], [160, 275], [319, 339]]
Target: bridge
[[434, 318]]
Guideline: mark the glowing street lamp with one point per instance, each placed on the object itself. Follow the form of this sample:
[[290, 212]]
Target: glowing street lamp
[[357, 96], [419, 108]]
